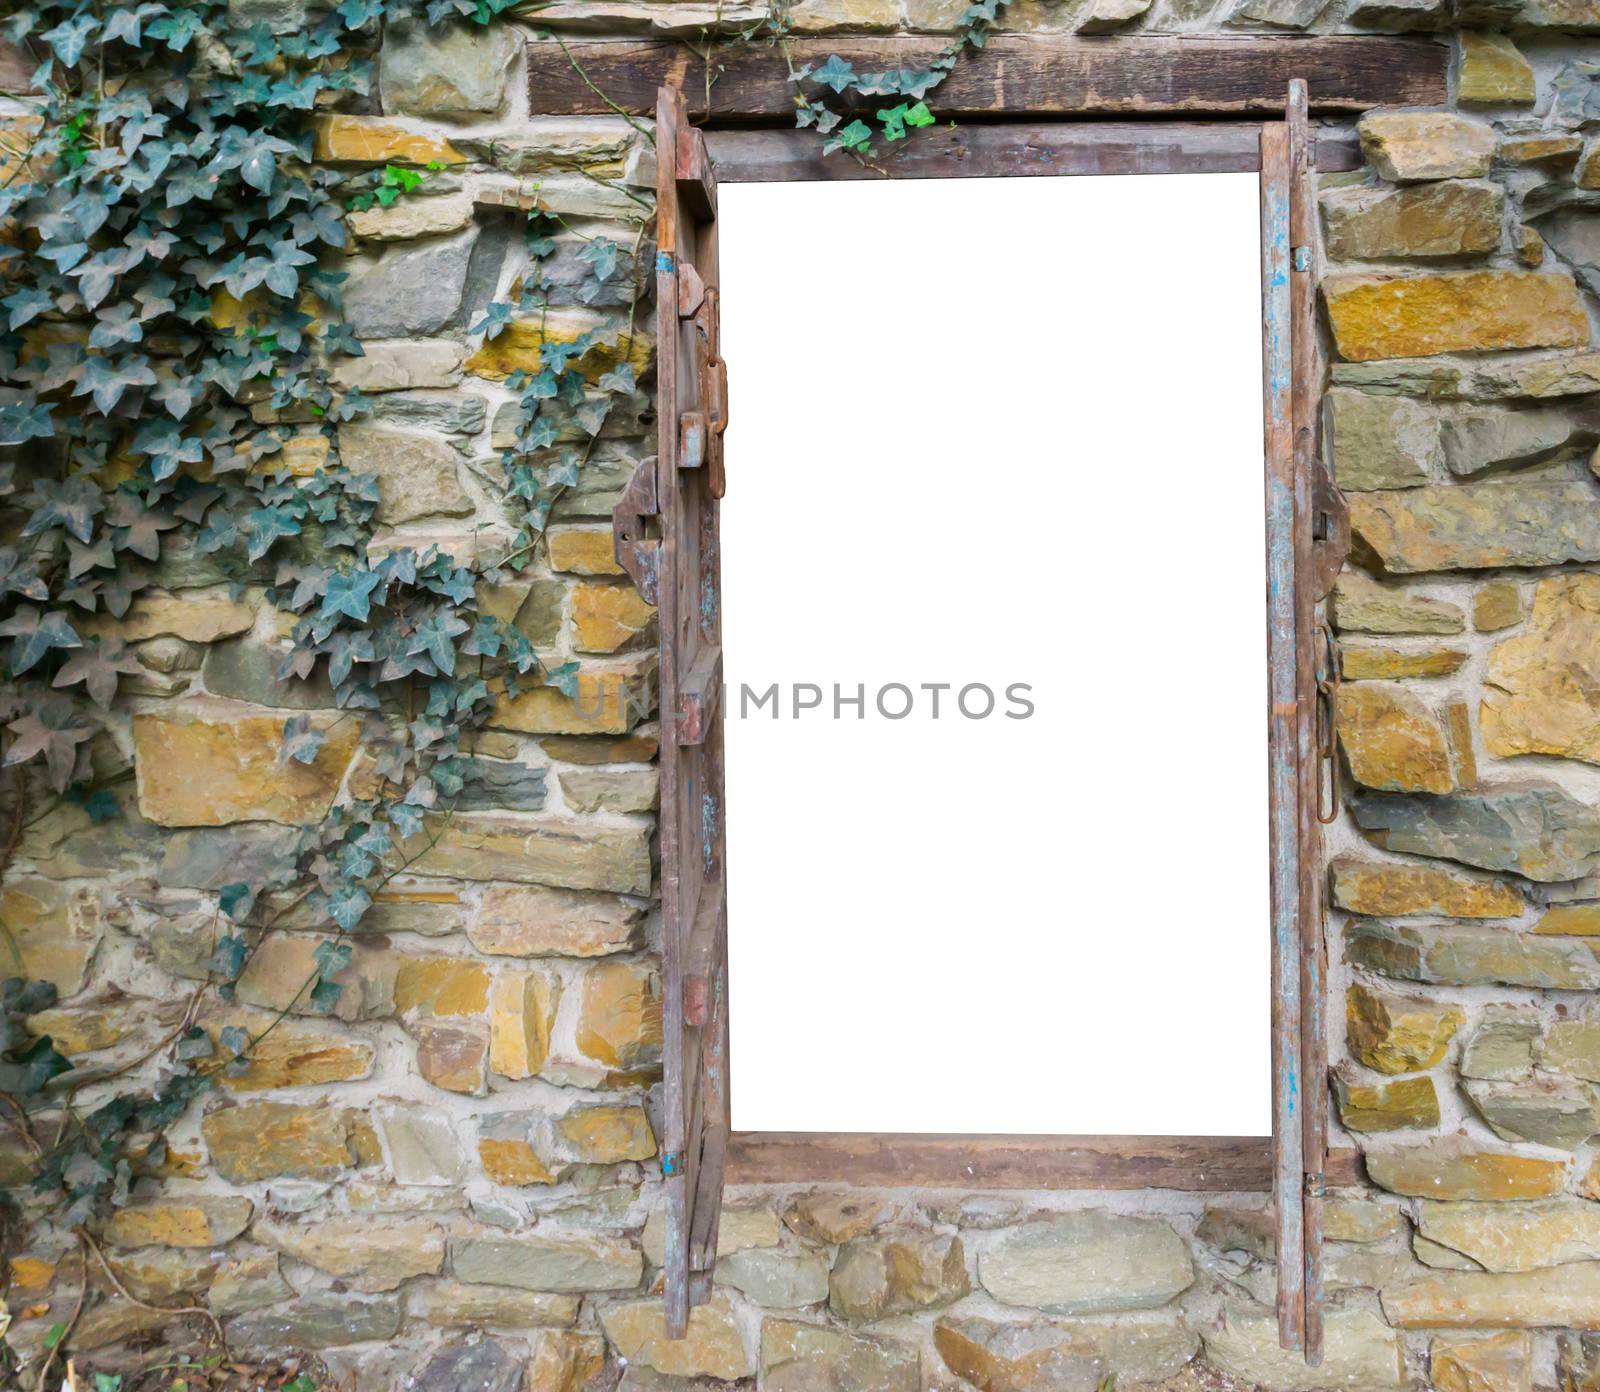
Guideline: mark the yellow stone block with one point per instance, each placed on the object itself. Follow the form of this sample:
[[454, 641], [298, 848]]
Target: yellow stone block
[[371, 140], [1470, 311], [582, 551], [1493, 72], [201, 1222], [1497, 605], [209, 766], [608, 1135], [520, 1023], [518, 346], [619, 1022], [513, 1162], [52, 932], [1371, 1107], [609, 701], [1495, 1363], [1577, 920], [1398, 1034], [1383, 890], [1540, 693], [1392, 741], [1589, 167], [1379, 664], [607, 618], [441, 986]]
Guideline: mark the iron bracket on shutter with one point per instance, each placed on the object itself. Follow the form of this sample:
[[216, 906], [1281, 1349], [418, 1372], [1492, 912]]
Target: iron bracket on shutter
[[637, 553], [1330, 544]]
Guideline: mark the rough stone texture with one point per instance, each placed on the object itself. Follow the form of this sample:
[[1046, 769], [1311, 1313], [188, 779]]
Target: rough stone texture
[[1469, 311], [619, 1020], [481, 1365], [198, 1222], [251, 1283], [799, 1357], [1535, 829], [1107, 16], [1087, 1263], [413, 217], [1386, 890], [208, 765], [605, 1135], [521, 1018], [1494, 437], [1498, 605], [1392, 741], [612, 790], [1420, 222], [417, 473], [411, 292], [1572, 234], [776, 1279], [877, 1277], [518, 346], [1549, 1112], [1397, 1106], [318, 1320], [1572, 1046], [1380, 441], [1536, 376], [1496, 1363], [195, 618], [537, 1262], [367, 140], [713, 1346], [1479, 525], [270, 1140], [825, 1216], [448, 70], [1006, 1357], [609, 618], [1361, 604], [1504, 1045], [366, 1255], [1358, 1351], [1515, 1236], [453, 1057], [1493, 72], [1553, 1297], [1453, 1169], [406, 365], [1471, 957], [582, 550], [740, 1229], [609, 701], [451, 1304], [568, 855], [1542, 688], [1398, 1034], [1408, 146], [530, 921]]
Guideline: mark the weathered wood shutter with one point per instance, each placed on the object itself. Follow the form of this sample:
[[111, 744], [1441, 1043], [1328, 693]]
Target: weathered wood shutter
[[674, 496], [1307, 538]]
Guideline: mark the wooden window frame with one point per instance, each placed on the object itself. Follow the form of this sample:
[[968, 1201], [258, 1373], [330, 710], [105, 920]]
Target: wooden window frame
[[667, 534]]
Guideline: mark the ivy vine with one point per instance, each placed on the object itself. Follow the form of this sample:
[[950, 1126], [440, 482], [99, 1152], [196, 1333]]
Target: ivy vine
[[170, 313]]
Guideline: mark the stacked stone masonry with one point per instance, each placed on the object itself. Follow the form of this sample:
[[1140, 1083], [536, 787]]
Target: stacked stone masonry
[[453, 1182]]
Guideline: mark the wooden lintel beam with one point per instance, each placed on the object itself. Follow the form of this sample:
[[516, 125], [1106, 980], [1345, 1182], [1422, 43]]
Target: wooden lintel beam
[[1013, 75], [990, 150], [1202, 1164]]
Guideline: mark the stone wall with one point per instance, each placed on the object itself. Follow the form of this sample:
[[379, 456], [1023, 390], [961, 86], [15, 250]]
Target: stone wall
[[453, 1182]]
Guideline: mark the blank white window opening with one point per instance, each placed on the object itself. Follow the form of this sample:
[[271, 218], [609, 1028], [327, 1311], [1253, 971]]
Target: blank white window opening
[[996, 433]]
